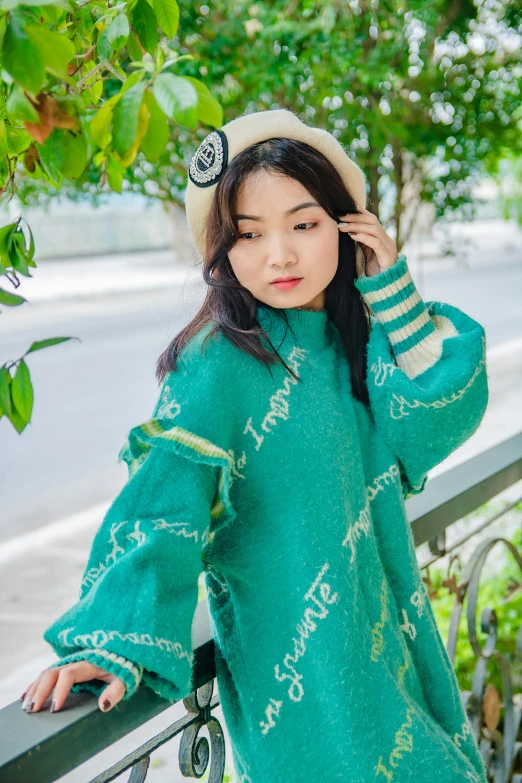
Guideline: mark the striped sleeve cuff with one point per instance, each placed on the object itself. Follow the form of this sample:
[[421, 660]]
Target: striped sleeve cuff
[[129, 672], [397, 305]]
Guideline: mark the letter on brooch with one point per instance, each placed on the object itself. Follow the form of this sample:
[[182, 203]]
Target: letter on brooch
[[210, 160]]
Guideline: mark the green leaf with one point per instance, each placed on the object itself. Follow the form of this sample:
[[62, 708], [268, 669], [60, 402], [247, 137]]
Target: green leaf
[[118, 71], [177, 97], [5, 390], [21, 57], [113, 37], [131, 80], [75, 157], [133, 48], [18, 254], [53, 14], [56, 50], [143, 121], [30, 249], [157, 135], [22, 391], [39, 344], [4, 171], [167, 14], [125, 119], [16, 140], [146, 26], [18, 422], [19, 108], [11, 300], [160, 58], [115, 173], [6, 236], [52, 154], [167, 66], [100, 124], [94, 84], [209, 109], [7, 5]]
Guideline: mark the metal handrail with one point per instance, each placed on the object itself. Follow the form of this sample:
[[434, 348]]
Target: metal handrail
[[460, 490]]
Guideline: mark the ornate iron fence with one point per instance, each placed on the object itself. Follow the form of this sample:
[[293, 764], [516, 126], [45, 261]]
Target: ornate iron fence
[[44, 747]]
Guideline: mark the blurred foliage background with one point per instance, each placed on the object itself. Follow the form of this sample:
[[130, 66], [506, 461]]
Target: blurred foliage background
[[424, 95]]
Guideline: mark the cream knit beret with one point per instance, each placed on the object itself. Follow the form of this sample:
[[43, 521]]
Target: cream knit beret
[[221, 146]]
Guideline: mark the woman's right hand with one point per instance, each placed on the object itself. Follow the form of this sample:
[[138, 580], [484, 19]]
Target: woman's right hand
[[61, 678]]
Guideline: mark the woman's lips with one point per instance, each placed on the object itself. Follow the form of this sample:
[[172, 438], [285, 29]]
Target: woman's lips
[[285, 285]]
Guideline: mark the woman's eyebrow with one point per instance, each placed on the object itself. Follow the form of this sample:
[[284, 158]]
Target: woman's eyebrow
[[288, 212]]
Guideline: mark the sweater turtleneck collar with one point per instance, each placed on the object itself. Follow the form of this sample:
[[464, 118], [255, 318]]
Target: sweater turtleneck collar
[[310, 327]]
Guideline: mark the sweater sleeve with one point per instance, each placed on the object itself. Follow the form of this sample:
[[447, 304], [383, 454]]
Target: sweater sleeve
[[140, 587], [426, 373]]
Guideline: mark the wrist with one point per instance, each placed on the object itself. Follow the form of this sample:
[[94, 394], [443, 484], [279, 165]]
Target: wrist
[[397, 305], [373, 268], [129, 672], [381, 269]]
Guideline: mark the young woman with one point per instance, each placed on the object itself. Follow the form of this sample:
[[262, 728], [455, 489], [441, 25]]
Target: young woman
[[313, 392]]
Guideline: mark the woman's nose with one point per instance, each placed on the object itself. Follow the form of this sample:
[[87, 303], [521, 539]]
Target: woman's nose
[[280, 252]]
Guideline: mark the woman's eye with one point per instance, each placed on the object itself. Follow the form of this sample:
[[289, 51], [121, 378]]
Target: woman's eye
[[310, 227]]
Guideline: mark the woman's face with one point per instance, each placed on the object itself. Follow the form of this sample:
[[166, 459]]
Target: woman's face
[[281, 238]]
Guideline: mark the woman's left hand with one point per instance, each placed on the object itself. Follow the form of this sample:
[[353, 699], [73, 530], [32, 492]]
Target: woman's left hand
[[379, 249]]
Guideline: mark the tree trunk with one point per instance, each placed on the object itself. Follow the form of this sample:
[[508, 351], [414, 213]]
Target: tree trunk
[[398, 178], [373, 196]]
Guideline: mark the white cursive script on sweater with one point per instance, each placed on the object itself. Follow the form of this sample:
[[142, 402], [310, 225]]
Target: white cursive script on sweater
[[304, 628]]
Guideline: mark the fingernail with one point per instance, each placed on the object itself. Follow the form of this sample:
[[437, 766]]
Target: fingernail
[[106, 705], [53, 706], [22, 697], [27, 702], [342, 224], [31, 707]]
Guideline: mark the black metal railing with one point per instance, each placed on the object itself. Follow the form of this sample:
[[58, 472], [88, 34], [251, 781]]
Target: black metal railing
[[44, 747]]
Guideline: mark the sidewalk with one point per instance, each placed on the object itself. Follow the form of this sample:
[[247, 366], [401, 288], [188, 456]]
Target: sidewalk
[[106, 275]]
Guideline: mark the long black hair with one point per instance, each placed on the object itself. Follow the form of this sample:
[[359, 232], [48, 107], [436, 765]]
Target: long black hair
[[231, 307]]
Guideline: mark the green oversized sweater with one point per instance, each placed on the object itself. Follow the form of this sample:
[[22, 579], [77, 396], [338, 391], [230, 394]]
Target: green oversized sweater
[[289, 494]]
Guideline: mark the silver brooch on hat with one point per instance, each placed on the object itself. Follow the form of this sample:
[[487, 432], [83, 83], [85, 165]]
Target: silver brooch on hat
[[209, 160]]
